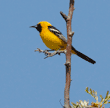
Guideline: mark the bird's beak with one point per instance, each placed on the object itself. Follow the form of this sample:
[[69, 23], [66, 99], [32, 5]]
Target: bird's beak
[[32, 26]]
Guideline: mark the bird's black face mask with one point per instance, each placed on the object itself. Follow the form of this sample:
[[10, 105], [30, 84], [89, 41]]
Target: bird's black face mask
[[38, 27]]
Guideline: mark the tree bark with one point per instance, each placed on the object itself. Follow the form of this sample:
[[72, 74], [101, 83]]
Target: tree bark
[[68, 20]]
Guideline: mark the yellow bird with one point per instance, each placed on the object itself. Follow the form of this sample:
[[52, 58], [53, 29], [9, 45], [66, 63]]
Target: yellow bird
[[54, 39]]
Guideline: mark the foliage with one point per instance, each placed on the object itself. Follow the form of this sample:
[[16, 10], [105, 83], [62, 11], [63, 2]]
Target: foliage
[[98, 104]]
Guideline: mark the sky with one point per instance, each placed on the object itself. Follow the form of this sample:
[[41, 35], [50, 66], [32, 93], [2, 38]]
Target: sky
[[27, 80]]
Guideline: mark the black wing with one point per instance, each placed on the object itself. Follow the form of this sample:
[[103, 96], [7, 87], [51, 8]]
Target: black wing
[[57, 33]]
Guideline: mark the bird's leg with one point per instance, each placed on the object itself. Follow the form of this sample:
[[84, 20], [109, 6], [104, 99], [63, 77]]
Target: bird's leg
[[59, 51], [48, 54], [49, 50]]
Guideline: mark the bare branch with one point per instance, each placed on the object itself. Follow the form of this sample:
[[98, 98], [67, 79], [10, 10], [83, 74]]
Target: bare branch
[[68, 20], [64, 16], [48, 54]]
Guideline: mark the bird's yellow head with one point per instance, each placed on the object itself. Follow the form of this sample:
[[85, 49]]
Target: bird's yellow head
[[42, 24]]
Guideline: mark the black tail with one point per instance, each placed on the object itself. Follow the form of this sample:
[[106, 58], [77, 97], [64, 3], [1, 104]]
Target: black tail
[[84, 56]]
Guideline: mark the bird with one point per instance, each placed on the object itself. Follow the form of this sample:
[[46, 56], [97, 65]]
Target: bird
[[55, 40]]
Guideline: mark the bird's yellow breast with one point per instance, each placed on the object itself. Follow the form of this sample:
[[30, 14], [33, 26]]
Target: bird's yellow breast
[[51, 40]]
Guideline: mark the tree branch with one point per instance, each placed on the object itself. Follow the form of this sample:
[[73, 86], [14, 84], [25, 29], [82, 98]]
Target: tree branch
[[68, 20], [64, 16], [48, 54]]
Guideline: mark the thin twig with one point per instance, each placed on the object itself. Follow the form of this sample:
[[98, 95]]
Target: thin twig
[[61, 103], [48, 54], [64, 16]]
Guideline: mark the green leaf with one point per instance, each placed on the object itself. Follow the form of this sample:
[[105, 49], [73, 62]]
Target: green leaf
[[86, 89], [101, 96], [107, 94], [91, 91], [74, 105], [109, 97], [102, 99], [105, 102], [108, 102]]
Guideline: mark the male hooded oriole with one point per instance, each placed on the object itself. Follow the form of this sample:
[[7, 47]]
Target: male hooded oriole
[[54, 39]]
